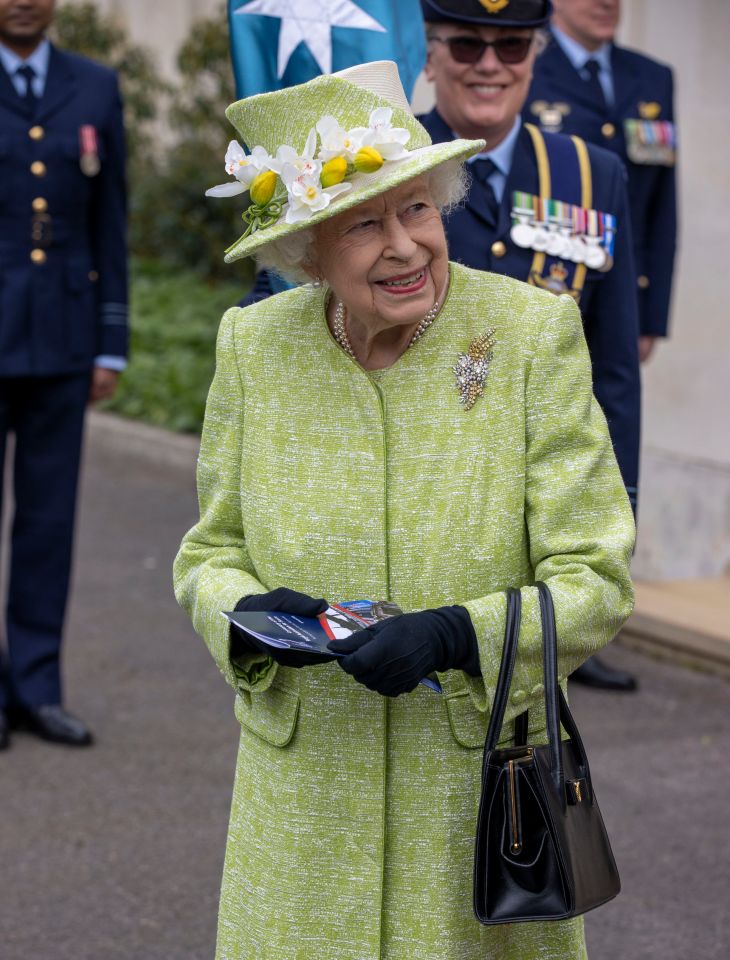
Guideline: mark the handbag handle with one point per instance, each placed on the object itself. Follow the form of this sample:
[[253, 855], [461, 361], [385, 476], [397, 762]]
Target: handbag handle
[[506, 667], [556, 706]]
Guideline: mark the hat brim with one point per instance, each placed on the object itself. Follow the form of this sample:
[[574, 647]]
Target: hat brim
[[365, 187]]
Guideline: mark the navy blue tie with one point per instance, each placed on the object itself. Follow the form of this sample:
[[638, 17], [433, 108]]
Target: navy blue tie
[[28, 74], [482, 169], [593, 69]]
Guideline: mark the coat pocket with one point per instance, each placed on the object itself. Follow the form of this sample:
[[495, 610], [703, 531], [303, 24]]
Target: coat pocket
[[468, 725], [271, 715]]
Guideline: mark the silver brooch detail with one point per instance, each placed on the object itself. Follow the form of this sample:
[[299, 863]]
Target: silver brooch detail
[[471, 368]]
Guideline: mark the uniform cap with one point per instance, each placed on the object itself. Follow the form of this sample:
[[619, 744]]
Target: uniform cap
[[488, 13]]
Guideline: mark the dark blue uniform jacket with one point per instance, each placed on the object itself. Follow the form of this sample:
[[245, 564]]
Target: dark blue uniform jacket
[[639, 82], [608, 303], [63, 283]]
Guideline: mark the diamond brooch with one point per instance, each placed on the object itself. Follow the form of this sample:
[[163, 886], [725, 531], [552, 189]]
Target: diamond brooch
[[471, 368]]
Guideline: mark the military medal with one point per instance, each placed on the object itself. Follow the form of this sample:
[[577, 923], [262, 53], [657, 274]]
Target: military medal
[[522, 232], [650, 141], [564, 231], [89, 150]]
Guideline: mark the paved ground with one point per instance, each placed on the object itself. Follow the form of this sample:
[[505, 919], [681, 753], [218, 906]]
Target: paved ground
[[115, 853]]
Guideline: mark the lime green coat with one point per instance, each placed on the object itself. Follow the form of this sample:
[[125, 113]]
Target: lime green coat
[[353, 815]]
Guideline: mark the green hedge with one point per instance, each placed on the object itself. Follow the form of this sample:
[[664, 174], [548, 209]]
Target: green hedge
[[174, 321]]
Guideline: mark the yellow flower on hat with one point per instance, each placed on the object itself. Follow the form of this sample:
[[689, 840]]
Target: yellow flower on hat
[[334, 171], [263, 187], [368, 160]]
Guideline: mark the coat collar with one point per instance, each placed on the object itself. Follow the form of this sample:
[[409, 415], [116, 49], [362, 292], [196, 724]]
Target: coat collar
[[520, 174], [9, 95], [61, 84], [562, 76]]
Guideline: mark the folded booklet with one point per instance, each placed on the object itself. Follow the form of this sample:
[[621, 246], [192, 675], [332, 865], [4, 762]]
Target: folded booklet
[[312, 634]]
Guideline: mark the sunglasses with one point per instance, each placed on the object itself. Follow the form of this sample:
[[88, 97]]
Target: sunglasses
[[471, 49]]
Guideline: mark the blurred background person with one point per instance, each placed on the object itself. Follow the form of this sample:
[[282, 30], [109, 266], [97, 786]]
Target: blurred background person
[[585, 84], [480, 61], [63, 332]]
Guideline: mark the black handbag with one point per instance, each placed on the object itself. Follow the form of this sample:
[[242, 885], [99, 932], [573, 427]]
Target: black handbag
[[542, 852]]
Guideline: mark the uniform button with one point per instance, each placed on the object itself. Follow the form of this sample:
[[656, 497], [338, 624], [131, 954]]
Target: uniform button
[[38, 168], [38, 256], [608, 130], [36, 133], [643, 282], [40, 205], [519, 696], [93, 276], [499, 249]]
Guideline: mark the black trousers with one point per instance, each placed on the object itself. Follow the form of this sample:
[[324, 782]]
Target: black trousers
[[46, 415]]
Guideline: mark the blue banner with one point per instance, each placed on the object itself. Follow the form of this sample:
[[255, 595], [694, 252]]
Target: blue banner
[[278, 43]]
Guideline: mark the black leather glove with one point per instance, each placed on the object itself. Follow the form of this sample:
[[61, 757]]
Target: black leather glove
[[283, 601], [394, 655]]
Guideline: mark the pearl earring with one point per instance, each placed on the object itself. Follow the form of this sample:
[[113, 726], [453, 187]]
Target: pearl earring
[[317, 282]]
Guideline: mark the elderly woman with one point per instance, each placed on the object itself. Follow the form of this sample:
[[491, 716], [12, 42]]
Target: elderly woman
[[405, 429]]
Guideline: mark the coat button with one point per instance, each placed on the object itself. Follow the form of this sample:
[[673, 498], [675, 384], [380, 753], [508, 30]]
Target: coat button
[[643, 282], [38, 168], [40, 205], [36, 133], [499, 249], [38, 256], [93, 276], [608, 130]]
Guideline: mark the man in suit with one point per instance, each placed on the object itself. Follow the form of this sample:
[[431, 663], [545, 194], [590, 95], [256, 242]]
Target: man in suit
[[63, 332], [585, 84], [527, 189]]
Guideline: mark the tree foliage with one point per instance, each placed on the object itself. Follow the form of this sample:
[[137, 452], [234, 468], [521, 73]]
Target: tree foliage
[[80, 27], [177, 137]]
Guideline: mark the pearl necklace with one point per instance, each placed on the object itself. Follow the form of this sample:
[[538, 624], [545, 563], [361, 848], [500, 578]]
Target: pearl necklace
[[339, 328]]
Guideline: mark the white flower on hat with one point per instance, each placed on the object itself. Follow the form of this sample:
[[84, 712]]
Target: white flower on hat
[[243, 166], [388, 140], [307, 196], [292, 166], [336, 141]]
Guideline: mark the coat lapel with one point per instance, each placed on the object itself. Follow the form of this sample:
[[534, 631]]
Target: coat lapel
[[9, 96], [626, 82], [61, 85], [522, 176], [441, 133], [563, 77]]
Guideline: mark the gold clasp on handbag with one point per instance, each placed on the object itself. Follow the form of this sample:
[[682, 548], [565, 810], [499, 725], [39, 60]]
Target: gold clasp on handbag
[[576, 791], [516, 845]]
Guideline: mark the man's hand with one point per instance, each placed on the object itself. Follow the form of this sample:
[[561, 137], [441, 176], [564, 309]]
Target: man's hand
[[646, 347], [103, 384]]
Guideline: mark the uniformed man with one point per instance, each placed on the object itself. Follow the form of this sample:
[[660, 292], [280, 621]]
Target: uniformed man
[[63, 331], [585, 84], [543, 208]]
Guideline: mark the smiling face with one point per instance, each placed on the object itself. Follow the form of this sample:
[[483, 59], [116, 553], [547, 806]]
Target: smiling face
[[385, 259], [24, 22], [479, 99], [591, 22]]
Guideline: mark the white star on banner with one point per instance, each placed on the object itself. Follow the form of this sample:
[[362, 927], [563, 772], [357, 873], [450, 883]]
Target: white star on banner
[[311, 22]]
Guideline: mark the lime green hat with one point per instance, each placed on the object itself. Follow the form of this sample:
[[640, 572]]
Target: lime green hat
[[323, 147]]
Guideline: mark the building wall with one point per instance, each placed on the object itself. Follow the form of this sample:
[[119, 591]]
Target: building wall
[[684, 511]]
